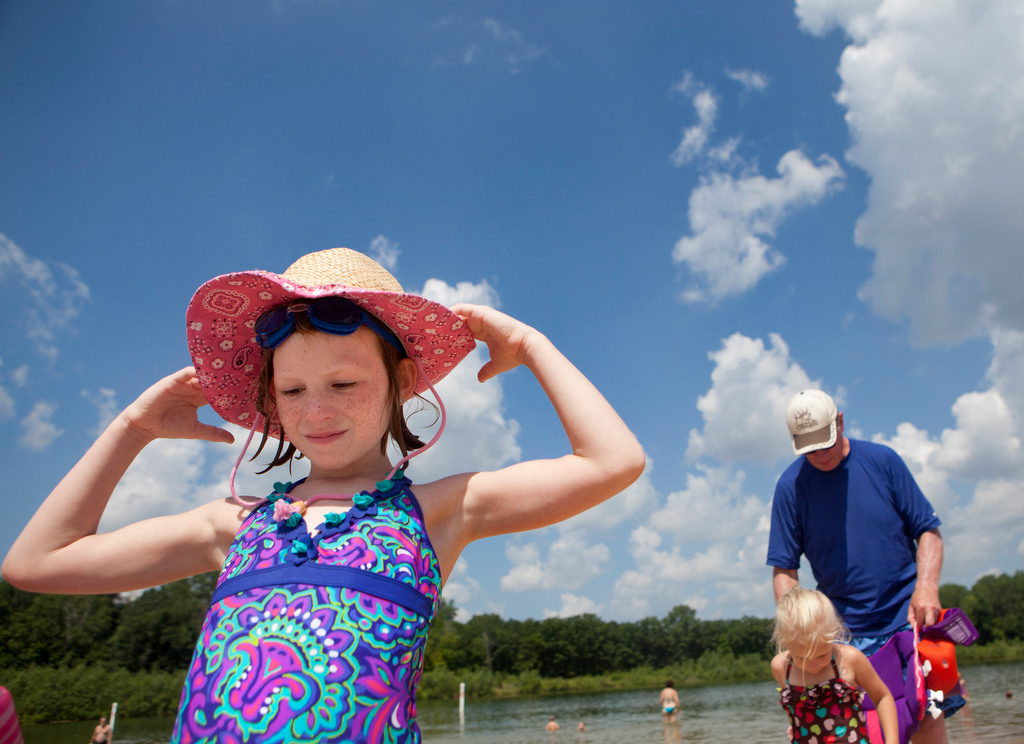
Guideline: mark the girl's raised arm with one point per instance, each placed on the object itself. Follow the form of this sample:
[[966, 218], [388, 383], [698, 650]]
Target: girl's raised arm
[[60, 552], [605, 458]]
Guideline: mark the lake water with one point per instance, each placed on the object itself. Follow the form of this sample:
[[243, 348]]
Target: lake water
[[729, 713]]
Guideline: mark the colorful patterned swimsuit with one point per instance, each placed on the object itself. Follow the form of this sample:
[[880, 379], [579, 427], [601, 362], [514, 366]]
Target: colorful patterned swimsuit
[[825, 713], [316, 640]]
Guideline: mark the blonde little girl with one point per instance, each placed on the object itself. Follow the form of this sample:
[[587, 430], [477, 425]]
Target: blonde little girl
[[820, 678], [328, 586]]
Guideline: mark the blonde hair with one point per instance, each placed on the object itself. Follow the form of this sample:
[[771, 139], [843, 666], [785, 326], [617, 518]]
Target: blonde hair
[[807, 616]]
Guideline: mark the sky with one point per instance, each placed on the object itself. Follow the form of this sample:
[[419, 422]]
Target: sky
[[707, 205]]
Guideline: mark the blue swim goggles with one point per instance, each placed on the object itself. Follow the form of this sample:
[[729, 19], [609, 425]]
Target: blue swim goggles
[[334, 315]]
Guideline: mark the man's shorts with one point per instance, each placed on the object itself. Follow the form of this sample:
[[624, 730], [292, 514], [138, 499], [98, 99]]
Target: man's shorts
[[869, 645]]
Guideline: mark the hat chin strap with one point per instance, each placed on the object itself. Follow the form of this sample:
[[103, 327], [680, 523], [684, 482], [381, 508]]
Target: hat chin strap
[[260, 419]]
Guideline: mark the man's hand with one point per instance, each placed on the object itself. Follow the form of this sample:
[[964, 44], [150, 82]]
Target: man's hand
[[924, 606]]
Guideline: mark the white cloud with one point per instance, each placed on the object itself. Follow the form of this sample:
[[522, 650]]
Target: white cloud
[[161, 481], [724, 155], [516, 51], [38, 431], [664, 577], [384, 252], [570, 564], [6, 405], [854, 16], [934, 98], [477, 435], [985, 530], [53, 302], [745, 409], [461, 587], [712, 507], [705, 546], [983, 451], [106, 407], [20, 376], [171, 476], [751, 80], [731, 217], [573, 605], [638, 499], [705, 105], [448, 295]]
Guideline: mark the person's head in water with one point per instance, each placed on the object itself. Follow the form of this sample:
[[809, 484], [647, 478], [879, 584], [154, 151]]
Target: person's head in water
[[669, 683], [806, 625]]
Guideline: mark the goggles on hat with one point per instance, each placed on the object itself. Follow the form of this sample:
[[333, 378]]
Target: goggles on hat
[[334, 315]]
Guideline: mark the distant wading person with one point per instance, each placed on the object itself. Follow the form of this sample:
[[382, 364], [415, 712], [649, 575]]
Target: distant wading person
[[101, 734], [669, 702], [872, 539]]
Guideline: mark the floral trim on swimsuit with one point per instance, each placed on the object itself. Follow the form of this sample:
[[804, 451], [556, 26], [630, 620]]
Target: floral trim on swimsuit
[[827, 713], [316, 639]]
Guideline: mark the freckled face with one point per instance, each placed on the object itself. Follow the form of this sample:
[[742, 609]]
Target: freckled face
[[811, 663], [332, 397]]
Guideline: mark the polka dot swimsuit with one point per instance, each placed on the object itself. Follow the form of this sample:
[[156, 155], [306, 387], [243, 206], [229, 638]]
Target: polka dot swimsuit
[[825, 713]]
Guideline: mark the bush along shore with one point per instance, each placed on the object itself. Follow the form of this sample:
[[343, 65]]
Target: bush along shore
[[69, 657], [85, 692], [710, 669]]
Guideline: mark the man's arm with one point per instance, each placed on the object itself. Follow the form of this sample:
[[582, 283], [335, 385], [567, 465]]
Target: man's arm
[[924, 604], [784, 579]]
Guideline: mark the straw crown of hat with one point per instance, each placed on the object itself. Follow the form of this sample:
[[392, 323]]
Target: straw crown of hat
[[223, 312], [341, 266]]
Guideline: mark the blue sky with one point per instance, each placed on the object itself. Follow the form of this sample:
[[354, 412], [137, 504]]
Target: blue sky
[[707, 205]]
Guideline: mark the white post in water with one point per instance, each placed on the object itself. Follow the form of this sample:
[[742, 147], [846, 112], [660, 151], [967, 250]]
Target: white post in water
[[113, 717], [462, 704]]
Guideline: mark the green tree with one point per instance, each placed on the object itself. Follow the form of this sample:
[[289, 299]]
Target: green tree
[[996, 606], [53, 629], [442, 638], [683, 630], [953, 595], [158, 631]]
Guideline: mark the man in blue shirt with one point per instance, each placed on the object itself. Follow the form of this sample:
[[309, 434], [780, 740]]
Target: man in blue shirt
[[871, 537]]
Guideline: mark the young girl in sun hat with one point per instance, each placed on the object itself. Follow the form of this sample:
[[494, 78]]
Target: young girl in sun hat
[[327, 587], [820, 679]]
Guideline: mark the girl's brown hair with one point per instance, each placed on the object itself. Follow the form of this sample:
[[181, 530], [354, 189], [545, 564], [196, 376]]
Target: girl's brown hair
[[397, 427]]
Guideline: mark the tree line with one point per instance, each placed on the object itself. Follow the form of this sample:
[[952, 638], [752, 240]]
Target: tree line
[[157, 631]]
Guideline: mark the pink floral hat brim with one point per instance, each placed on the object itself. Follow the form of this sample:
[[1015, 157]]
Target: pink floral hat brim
[[228, 358]]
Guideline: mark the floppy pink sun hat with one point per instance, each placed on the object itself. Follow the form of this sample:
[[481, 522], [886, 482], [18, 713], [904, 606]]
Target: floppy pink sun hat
[[223, 312]]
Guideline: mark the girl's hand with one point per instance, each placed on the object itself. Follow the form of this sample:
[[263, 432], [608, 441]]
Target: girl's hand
[[507, 339], [169, 410]]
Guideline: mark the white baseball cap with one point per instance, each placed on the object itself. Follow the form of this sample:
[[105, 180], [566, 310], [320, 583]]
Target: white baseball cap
[[811, 417]]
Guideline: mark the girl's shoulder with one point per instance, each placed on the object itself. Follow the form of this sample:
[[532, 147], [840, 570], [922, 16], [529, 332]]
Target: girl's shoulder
[[848, 654], [441, 494], [849, 660], [779, 664]]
